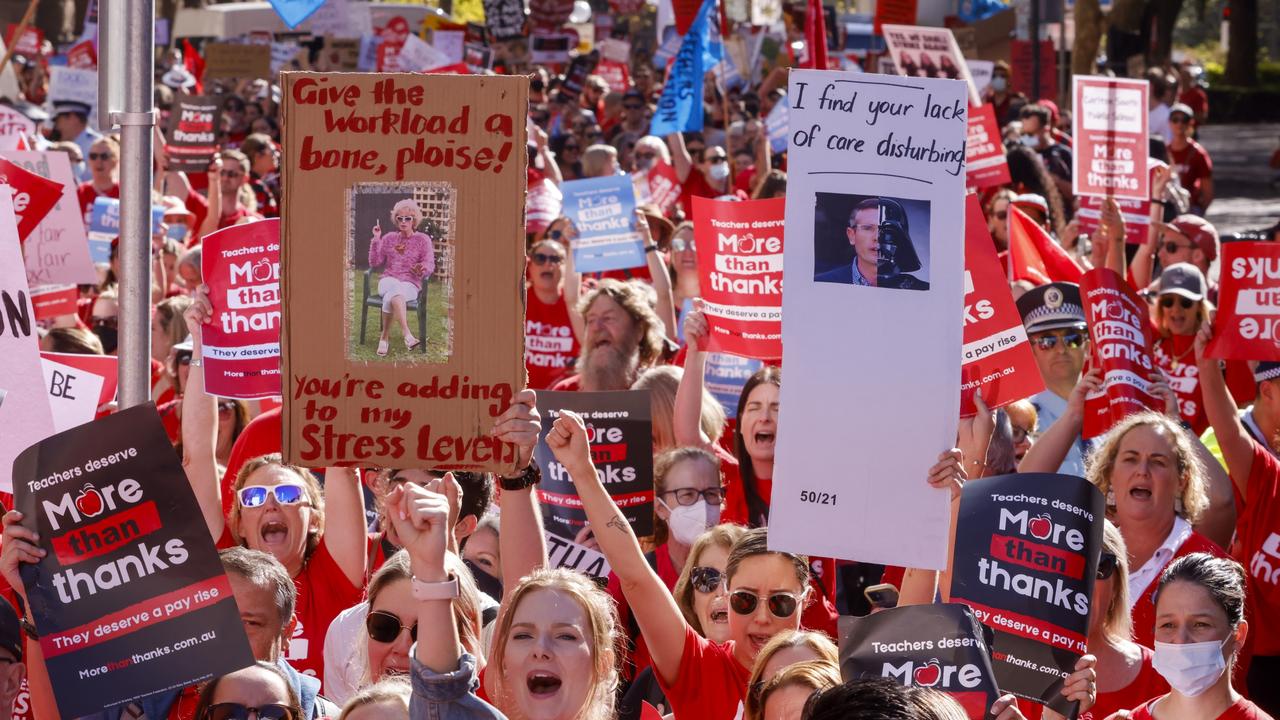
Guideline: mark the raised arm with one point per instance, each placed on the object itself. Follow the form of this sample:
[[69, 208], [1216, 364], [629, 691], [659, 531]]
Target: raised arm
[[1219, 407], [1144, 259], [549, 164], [521, 542], [1051, 448], [214, 216], [573, 287], [200, 422], [654, 608], [686, 418], [679, 156], [19, 546], [344, 522], [1112, 230], [659, 273]]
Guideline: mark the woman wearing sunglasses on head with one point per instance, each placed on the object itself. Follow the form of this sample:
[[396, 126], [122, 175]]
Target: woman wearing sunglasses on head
[[258, 692], [319, 536], [552, 326]]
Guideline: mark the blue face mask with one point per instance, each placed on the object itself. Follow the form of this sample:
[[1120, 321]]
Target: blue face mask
[[999, 83]]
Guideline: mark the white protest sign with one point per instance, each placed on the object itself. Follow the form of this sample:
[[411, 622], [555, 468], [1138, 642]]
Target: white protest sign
[[981, 72], [57, 251], [24, 405], [73, 394], [74, 85], [874, 281], [569, 555], [14, 125], [334, 18], [418, 55], [283, 53], [8, 79]]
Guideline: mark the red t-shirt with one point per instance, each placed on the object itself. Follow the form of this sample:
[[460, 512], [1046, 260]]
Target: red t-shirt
[[260, 437], [669, 573], [711, 684], [696, 185], [573, 383], [1175, 356], [1241, 710], [1147, 685], [1257, 547], [1144, 610], [550, 347], [1197, 99], [86, 194], [1193, 166]]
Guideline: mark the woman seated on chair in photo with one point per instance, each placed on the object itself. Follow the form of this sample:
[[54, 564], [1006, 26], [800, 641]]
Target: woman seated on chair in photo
[[409, 260]]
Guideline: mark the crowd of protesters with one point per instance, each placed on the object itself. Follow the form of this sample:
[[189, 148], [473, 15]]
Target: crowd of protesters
[[422, 592]]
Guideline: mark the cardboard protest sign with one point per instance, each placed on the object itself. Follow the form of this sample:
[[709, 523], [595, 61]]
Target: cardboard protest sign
[[1247, 326], [740, 273], [14, 125], [1109, 129], [193, 132], [50, 301], [423, 176], [56, 251], [24, 406], [724, 375], [603, 211], [131, 598], [1120, 336], [104, 227], [73, 394], [564, 553], [1136, 214], [997, 356], [550, 13], [621, 437], [241, 347], [1026, 559], [940, 646], [985, 163], [75, 85], [103, 366], [928, 52], [34, 196], [875, 182], [236, 60]]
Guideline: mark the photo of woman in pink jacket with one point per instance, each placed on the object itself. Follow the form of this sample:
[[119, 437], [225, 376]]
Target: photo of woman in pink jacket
[[407, 258]]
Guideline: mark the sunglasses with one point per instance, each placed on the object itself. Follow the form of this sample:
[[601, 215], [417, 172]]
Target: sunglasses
[[1002, 214], [405, 218], [101, 156], [555, 234], [573, 148], [780, 604], [252, 496], [1179, 119], [632, 106], [385, 627], [226, 406], [689, 496], [1167, 301], [705, 579], [1069, 340], [1107, 565], [106, 322], [680, 244], [1020, 434], [1171, 247], [644, 156], [236, 711], [717, 159], [544, 259]]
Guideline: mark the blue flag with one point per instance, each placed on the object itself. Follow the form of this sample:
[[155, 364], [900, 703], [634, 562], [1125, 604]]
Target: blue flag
[[680, 109], [293, 12]]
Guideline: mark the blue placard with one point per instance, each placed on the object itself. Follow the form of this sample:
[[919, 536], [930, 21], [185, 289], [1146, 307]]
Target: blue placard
[[724, 377], [104, 226], [603, 211]]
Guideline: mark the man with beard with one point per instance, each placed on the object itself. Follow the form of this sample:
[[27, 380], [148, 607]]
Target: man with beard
[[623, 336]]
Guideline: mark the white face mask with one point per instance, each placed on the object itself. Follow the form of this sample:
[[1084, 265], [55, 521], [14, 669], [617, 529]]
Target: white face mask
[[1030, 141], [720, 171], [687, 522], [998, 83], [1190, 668]]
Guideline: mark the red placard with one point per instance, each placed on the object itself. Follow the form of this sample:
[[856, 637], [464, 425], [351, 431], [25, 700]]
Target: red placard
[[29, 43], [104, 366], [1020, 59], [997, 357], [33, 196], [664, 185], [740, 273], [1248, 323], [1110, 140], [82, 56], [1137, 219], [50, 301], [1120, 334], [984, 160], [241, 347], [616, 74], [894, 12]]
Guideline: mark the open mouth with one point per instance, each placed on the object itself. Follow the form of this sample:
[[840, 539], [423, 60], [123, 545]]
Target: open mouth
[[720, 617], [758, 641], [274, 533], [1140, 493], [542, 684], [764, 438]]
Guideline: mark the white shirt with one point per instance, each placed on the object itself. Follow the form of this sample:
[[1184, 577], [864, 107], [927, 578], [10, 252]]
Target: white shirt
[[1141, 579], [1049, 407], [1158, 122]]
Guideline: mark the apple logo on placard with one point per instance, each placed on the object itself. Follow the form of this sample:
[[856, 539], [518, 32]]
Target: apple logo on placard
[[1040, 526], [89, 501], [262, 270], [928, 674]]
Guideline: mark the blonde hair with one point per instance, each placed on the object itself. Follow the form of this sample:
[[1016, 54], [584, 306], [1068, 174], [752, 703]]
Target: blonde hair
[[723, 536], [1191, 472], [1024, 409], [662, 382], [315, 498], [595, 158], [601, 636], [1203, 310], [410, 206], [1117, 622], [466, 607], [814, 674], [169, 311], [819, 643], [654, 143], [663, 464], [392, 689]]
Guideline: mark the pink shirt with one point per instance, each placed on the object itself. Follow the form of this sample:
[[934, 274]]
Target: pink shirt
[[403, 256]]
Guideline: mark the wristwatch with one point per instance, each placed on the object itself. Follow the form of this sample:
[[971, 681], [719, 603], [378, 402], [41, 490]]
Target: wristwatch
[[531, 476], [650, 247], [445, 590]]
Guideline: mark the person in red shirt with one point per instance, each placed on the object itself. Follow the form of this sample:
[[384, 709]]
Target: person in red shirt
[[1190, 159], [623, 337], [1193, 96], [1200, 630], [229, 173], [104, 158], [704, 175], [551, 327], [1255, 471]]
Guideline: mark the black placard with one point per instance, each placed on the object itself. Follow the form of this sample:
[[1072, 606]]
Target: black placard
[[193, 132], [939, 646], [1026, 557], [504, 18], [620, 433], [131, 598]]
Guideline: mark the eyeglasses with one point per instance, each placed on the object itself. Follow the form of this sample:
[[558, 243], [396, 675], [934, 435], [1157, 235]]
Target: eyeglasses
[[717, 159], [680, 244], [705, 579], [226, 406], [236, 711], [1071, 341], [689, 496], [866, 228], [385, 627], [405, 218], [1107, 564], [1166, 302], [696, 151], [780, 604], [1002, 214], [252, 496], [101, 156], [1021, 433], [543, 259]]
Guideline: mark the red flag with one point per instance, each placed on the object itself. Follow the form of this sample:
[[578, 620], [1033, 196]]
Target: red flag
[[815, 35], [1035, 256], [194, 64]]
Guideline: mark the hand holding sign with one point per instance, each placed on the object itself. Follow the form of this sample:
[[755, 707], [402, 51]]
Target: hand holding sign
[[695, 327], [20, 545], [520, 425], [948, 472]]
